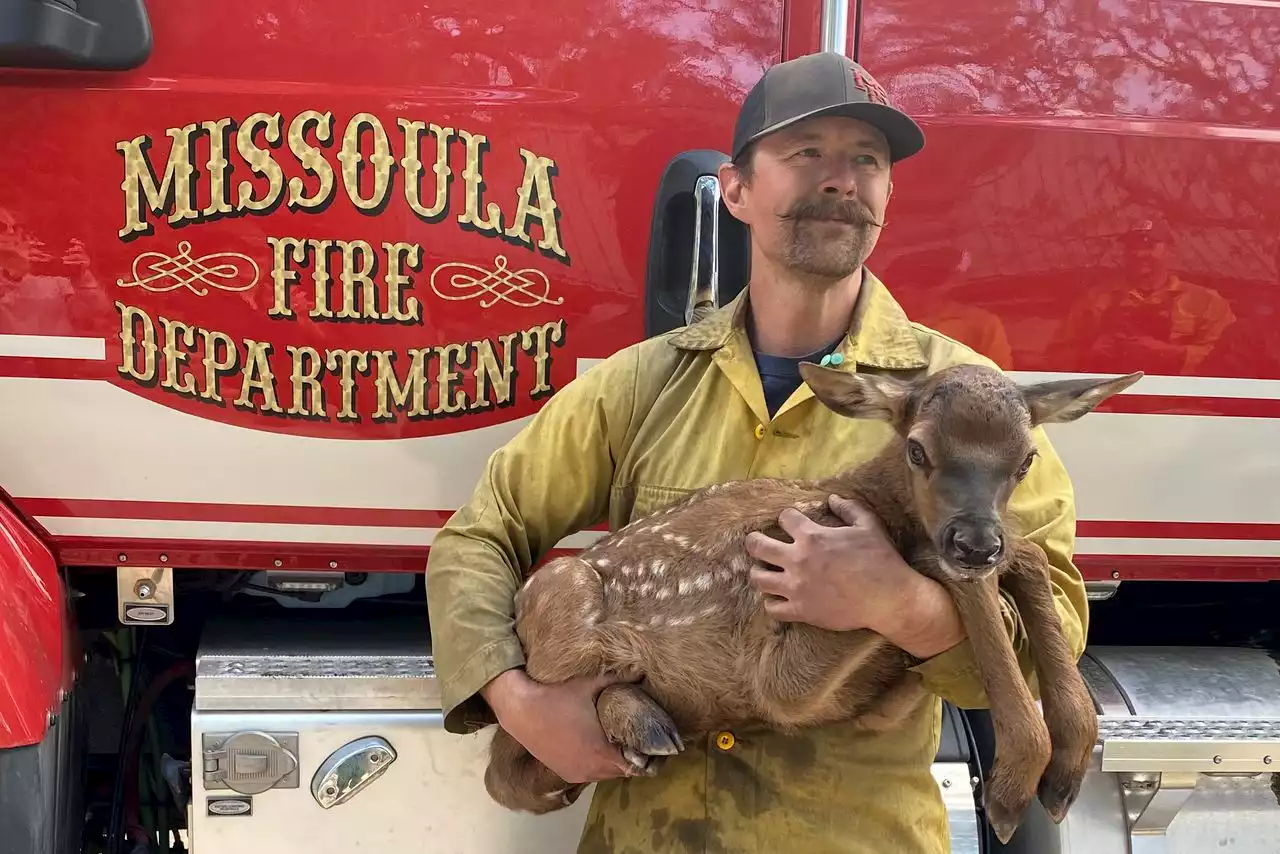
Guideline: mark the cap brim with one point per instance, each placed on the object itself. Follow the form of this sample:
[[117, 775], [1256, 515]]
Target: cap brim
[[904, 136]]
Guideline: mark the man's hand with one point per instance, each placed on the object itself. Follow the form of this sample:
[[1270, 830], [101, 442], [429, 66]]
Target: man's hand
[[558, 724], [852, 577]]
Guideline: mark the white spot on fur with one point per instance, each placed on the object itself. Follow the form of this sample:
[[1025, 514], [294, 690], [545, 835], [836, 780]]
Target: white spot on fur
[[698, 582], [660, 526], [645, 589], [658, 568], [627, 570], [682, 542], [709, 611], [663, 593], [603, 562], [686, 620]]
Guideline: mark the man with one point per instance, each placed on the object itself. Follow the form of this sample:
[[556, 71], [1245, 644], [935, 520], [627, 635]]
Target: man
[[810, 177]]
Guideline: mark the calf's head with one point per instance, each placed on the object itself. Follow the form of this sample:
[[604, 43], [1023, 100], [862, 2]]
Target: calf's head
[[967, 442]]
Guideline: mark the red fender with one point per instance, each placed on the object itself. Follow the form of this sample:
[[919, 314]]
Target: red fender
[[34, 653]]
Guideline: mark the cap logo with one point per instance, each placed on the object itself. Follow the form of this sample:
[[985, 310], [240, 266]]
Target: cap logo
[[868, 84]]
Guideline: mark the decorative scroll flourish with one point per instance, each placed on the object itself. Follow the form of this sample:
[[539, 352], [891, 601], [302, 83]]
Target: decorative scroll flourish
[[224, 271], [524, 288]]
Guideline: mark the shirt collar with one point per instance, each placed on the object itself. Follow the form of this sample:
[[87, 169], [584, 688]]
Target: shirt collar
[[880, 335]]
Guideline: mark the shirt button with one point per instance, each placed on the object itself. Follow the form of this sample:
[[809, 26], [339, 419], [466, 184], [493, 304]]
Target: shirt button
[[759, 431], [725, 740]]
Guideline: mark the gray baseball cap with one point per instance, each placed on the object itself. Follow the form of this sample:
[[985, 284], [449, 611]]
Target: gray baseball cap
[[823, 84]]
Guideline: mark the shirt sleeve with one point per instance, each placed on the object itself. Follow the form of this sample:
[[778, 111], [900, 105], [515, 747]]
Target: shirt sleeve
[[552, 479], [1043, 506]]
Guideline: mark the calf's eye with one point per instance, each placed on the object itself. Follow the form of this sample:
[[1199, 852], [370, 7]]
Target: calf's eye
[[1026, 465], [915, 453]]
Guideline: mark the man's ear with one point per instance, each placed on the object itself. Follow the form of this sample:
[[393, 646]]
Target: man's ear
[[857, 395], [731, 187], [1059, 401]]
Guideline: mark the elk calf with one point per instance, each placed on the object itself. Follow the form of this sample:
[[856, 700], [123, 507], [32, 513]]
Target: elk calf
[[666, 604]]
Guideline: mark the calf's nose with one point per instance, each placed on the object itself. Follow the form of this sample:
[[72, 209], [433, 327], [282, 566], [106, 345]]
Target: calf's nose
[[974, 547]]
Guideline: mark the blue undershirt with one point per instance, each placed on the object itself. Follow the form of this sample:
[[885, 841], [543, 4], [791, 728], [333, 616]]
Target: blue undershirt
[[780, 375]]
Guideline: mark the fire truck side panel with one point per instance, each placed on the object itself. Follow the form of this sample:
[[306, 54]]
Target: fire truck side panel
[[1097, 196], [241, 322]]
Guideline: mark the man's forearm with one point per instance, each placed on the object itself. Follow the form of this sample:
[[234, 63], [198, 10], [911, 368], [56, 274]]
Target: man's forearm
[[928, 623]]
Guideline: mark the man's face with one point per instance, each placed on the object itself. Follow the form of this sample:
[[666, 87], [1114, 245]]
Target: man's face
[[816, 194]]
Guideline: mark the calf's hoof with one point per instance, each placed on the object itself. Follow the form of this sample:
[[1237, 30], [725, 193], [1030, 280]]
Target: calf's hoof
[[1004, 820], [642, 729], [1060, 785]]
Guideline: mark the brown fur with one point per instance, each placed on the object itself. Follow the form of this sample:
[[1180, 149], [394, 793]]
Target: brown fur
[[666, 603]]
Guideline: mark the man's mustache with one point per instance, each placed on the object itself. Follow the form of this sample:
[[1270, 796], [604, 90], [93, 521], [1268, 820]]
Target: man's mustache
[[852, 212]]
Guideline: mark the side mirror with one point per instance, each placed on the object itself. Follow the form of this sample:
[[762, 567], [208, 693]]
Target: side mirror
[[86, 35]]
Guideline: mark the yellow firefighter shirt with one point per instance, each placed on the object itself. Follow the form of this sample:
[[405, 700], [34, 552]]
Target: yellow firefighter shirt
[[593, 454]]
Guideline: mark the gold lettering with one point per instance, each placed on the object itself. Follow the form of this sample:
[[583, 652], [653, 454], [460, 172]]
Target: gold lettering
[[219, 192], [537, 180], [398, 308], [476, 145], [257, 375], [129, 342], [348, 361], [260, 161], [540, 338], [350, 275], [320, 276], [177, 188], [213, 366], [413, 167], [306, 382], [173, 357], [310, 158], [281, 275], [488, 370], [415, 385], [381, 160], [452, 398]]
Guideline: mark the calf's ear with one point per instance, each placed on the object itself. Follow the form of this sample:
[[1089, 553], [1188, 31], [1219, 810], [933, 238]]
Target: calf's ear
[[1058, 401], [855, 395]]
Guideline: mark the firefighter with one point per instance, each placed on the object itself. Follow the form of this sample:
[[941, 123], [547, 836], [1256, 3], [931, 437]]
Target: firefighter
[[722, 399]]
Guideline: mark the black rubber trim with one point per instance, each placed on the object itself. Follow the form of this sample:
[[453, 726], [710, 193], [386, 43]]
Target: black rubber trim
[[955, 743], [671, 242], [85, 35], [42, 790]]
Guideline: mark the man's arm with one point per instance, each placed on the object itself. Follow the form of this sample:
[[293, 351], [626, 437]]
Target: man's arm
[[1044, 507], [550, 480]]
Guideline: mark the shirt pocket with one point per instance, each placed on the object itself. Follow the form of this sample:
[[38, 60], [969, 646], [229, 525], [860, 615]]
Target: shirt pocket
[[640, 500]]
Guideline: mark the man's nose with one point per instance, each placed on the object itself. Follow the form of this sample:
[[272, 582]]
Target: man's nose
[[841, 180]]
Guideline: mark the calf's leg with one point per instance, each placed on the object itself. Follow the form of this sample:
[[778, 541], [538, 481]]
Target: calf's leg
[[808, 676], [559, 614], [1022, 740], [557, 611], [1068, 708], [515, 779]]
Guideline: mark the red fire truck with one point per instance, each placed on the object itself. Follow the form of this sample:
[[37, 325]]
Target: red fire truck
[[276, 278]]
